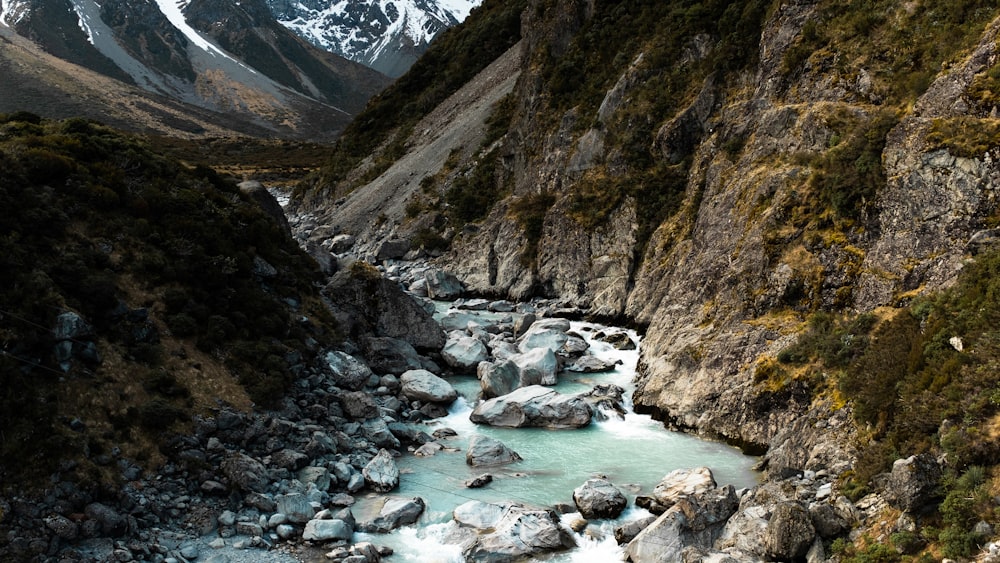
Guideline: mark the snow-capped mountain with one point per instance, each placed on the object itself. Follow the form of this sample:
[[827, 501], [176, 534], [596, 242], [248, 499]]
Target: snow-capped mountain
[[387, 35], [230, 57]]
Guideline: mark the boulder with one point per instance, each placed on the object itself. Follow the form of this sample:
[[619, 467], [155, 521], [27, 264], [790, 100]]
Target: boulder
[[245, 472], [395, 512], [790, 532], [546, 333], [538, 366], [296, 507], [574, 346], [463, 352], [510, 532], [422, 385], [392, 249], [598, 498], [390, 355], [454, 320], [377, 432], [341, 243], [681, 483], [479, 481], [913, 482], [381, 473], [591, 364], [327, 530], [348, 372], [606, 400], [110, 522], [523, 323], [693, 521], [534, 406], [620, 340], [442, 285], [359, 405], [258, 194], [629, 530], [498, 378], [484, 451]]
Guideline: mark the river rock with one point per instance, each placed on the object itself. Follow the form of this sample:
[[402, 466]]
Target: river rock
[[485, 451], [913, 482], [534, 406], [348, 372], [479, 481], [591, 364], [546, 333], [296, 507], [463, 352], [790, 532], [381, 473], [538, 366], [498, 378], [110, 522], [359, 405], [63, 527], [442, 285], [454, 320], [377, 432], [510, 532], [390, 355], [245, 472], [629, 530], [422, 385], [681, 483], [606, 400], [523, 323], [327, 530], [341, 243], [317, 476], [620, 340], [693, 521], [392, 249], [395, 512], [598, 498]]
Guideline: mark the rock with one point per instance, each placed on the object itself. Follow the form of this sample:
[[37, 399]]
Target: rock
[[463, 352], [538, 366], [111, 523], [546, 333], [485, 451], [479, 481], [498, 378], [681, 483], [341, 243], [535, 406], [693, 521], [790, 532], [442, 285], [827, 522], [523, 323], [395, 512], [454, 320], [377, 432], [258, 194], [606, 401], [620, 340], [62, 527], [509, 532], [392, 249], [591, 364], [317, 476], [327, 530], [475, 304], [359, 405], [598, 498], [422, 385], [390, 355], [348, 372], [381, 473], [629, 530], [296, 507], [245, 472], [289, 459], [500, 306], [913, 483], [428, 449]]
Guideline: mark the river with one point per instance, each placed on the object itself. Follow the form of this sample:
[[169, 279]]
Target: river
[[634, 454]]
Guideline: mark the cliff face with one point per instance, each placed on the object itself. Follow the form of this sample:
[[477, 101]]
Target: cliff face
[[720, 194]]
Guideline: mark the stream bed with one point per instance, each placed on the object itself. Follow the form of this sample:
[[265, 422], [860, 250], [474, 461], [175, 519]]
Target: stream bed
[[634, 454]]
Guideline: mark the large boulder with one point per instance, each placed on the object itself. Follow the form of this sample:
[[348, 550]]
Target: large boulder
[[464, 352], [913, 482], [598, 498], [257, 193], [381, 473], [693, 521], [538, 366], [296, 507], [681, 483], [591, 364], [790, 532], [348, 372], [245, 472], [545, 333], [366, 304], [511, 532], [390, 355], [442, 285], [327, 530], [534, 406], [484, 450], [395, 512], [422, 385], [498, 378]]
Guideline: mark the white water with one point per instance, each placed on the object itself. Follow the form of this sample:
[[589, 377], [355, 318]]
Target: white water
[[634, 454]]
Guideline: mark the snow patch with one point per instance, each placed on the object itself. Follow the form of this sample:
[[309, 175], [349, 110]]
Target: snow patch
[[83, 20], [174, 11]]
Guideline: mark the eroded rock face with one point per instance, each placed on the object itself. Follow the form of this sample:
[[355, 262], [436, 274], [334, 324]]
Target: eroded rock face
[[533, 406]]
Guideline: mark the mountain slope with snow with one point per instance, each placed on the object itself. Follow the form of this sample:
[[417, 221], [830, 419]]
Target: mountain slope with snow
[[387, 35]]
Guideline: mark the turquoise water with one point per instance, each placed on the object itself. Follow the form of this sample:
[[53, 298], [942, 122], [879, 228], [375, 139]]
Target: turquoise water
[[634, 454]]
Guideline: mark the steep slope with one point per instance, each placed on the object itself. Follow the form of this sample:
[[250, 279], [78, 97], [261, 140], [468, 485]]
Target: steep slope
[[204, 54], [727, 184], [386, 36]]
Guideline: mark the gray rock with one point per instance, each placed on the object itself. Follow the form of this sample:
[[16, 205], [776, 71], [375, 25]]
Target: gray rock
[[591, 364], [348, 372], [442, 285], [538, 366], [681, 483], [428, 449], [535, 406], [546, 333], [111, 523], [392, 249], [790, 532], [478, 515], [498, 378], [377, 432], [501, 306], [359, 405], [913, 482], [485, 451], [620, 340], [71, 326], [341, 243], [463, 352], [827, 522], [598, 498], [395, 512], [693, 521], [62, 527], [390, 355], [629, 530], [289, 459], [607, 401], [327, 530], [510, 532], [479, 481], [317, 476], [258, 194], [523, 323], [296, 507], [422, 385], [245, 472], [381, 473]]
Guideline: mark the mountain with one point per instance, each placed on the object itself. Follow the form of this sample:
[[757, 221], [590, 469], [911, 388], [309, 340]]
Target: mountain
[[796, 200], [387, 35], [230, 60]]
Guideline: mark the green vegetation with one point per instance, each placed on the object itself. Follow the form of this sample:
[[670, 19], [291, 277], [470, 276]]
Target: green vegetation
[[454, 57], [901, 45], [530, 211], [163, 261], [963, 136]]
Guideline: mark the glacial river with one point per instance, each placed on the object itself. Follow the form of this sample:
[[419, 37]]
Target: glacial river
[[634, 454]]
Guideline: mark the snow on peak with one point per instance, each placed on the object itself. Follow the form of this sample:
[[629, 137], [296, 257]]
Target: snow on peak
[[11, 12], [174, 11]]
